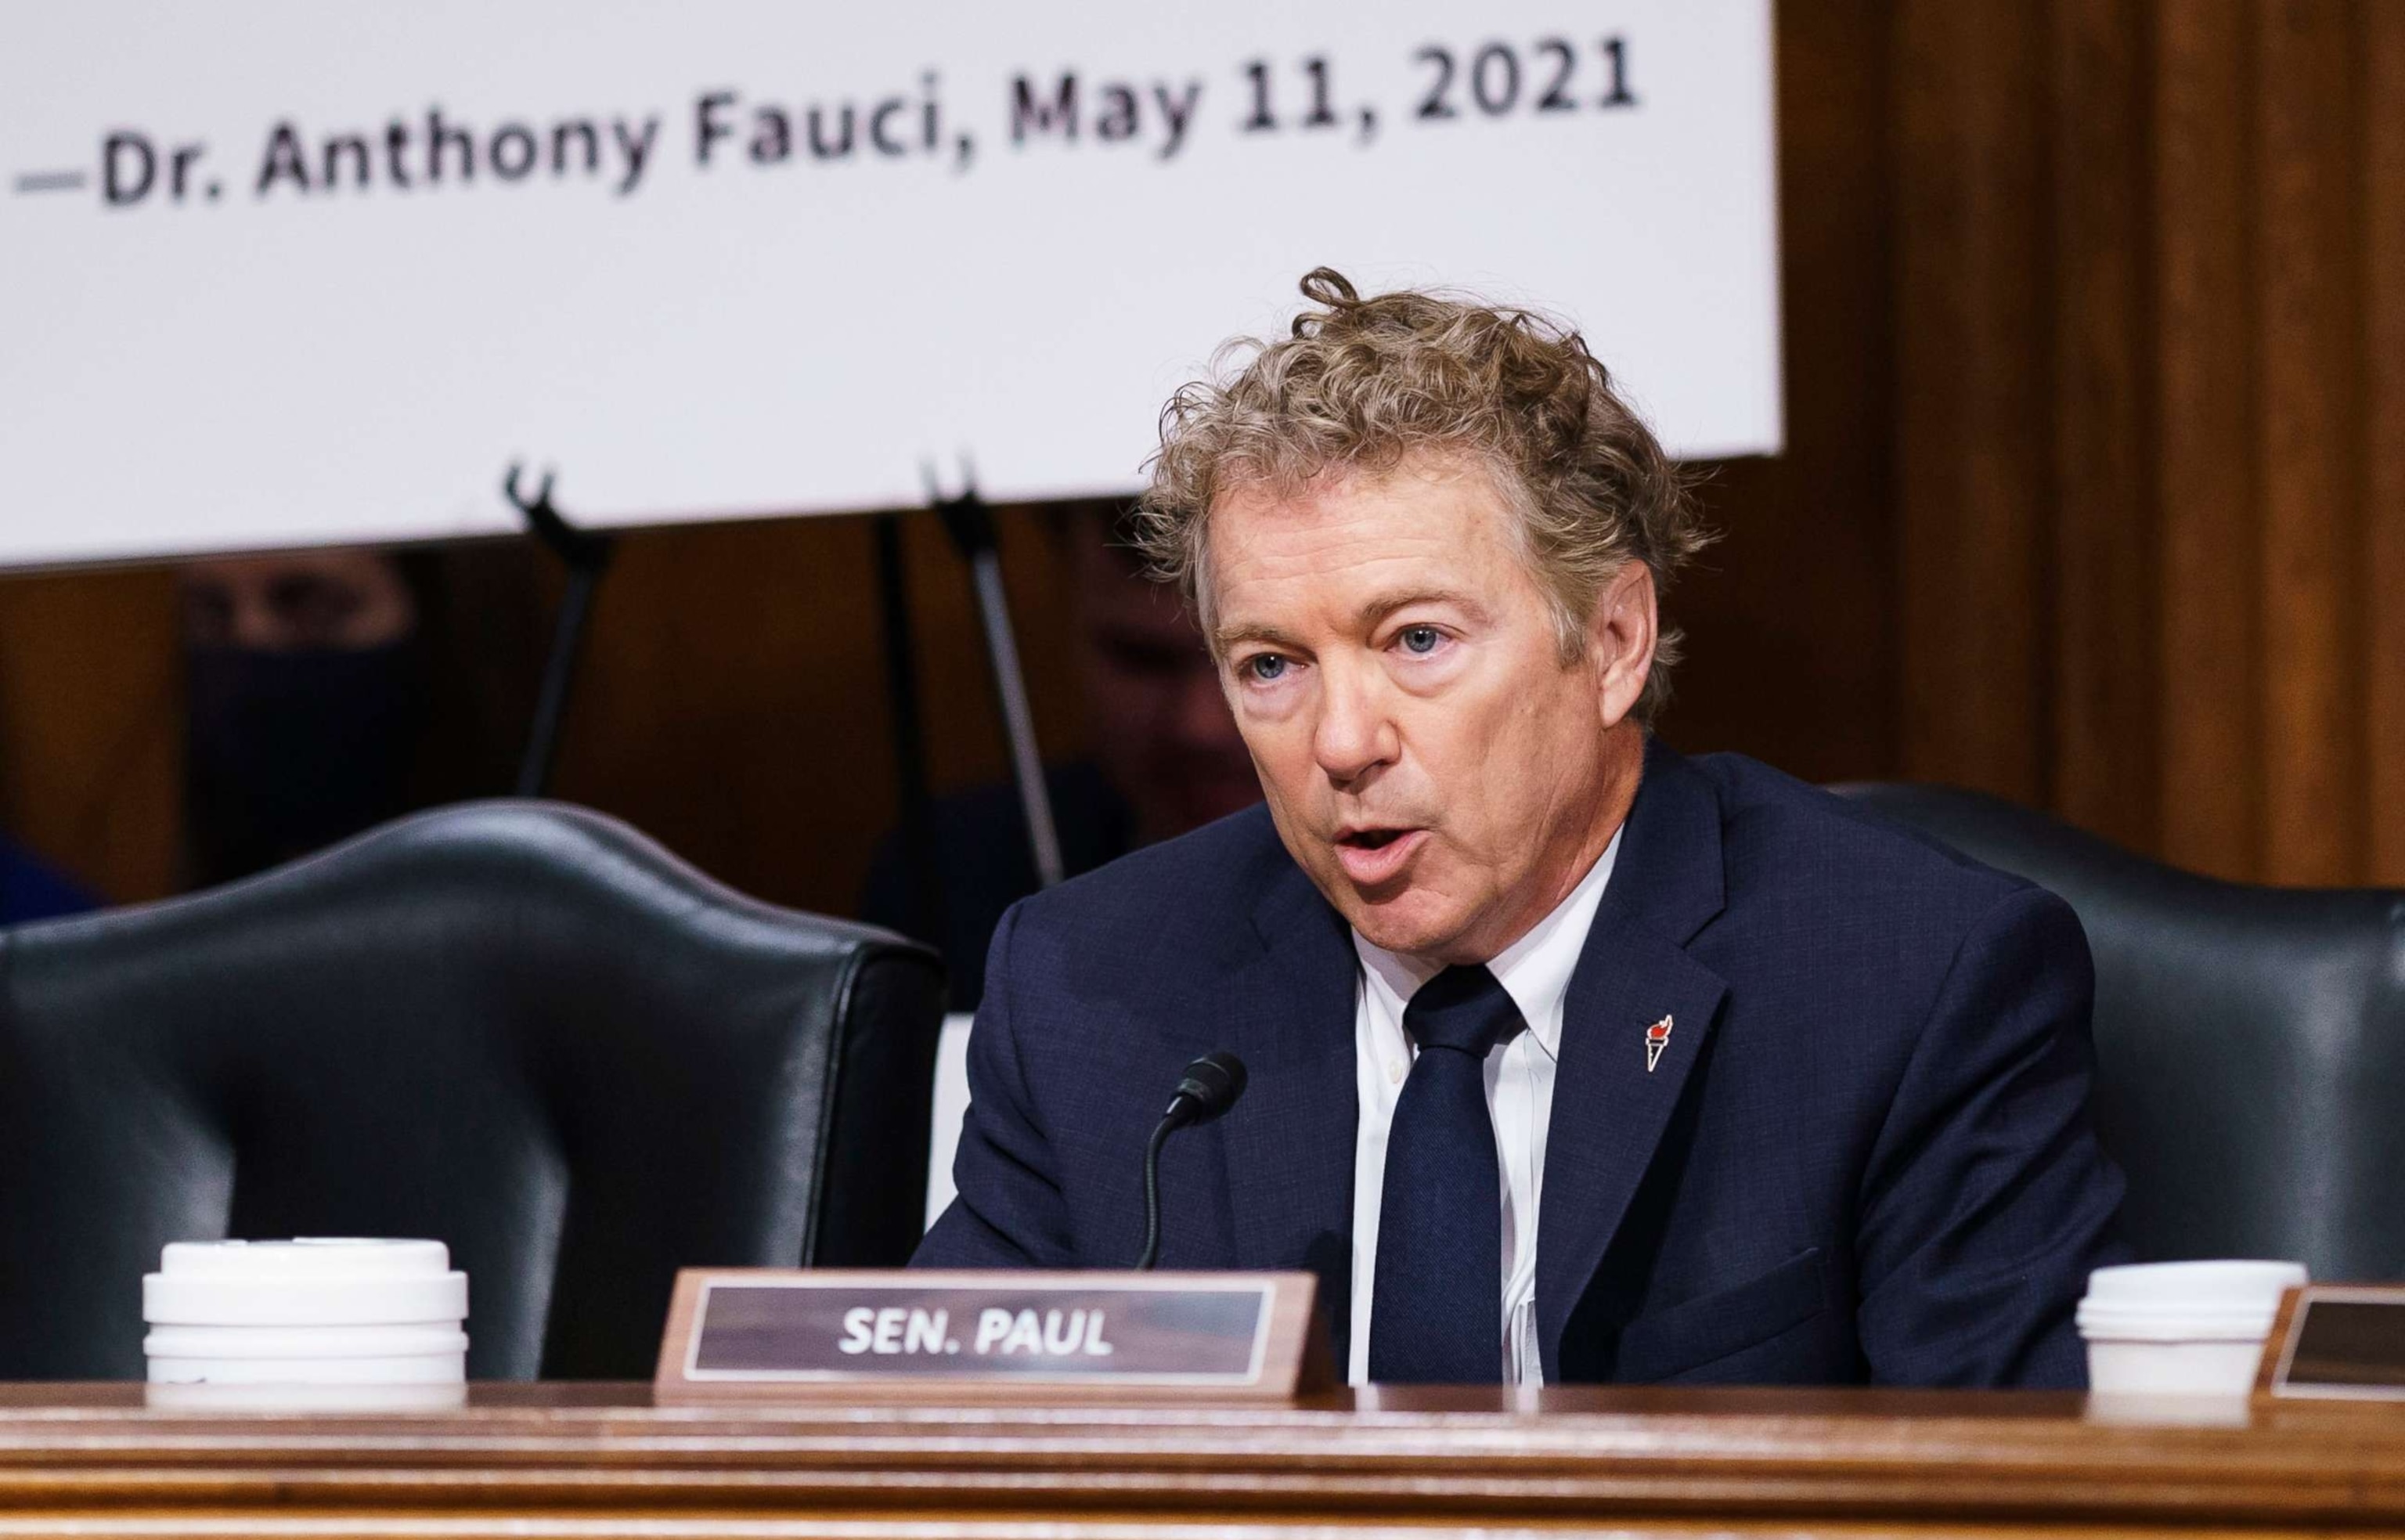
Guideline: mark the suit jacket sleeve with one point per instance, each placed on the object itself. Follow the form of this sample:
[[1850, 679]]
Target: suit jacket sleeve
[[1986, 1198], [1008, 1211]]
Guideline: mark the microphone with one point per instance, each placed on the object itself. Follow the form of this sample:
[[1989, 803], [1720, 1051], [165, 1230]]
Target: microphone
[[1211, 1086]]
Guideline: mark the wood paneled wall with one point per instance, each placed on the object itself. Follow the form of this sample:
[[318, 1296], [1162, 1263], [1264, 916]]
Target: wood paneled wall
[[92, 725], [734, 701], [2150, 310], [2094, 493]]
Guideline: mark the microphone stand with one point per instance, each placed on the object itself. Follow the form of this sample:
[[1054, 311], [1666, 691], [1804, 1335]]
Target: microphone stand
[[1210, 1086], [1175, 1119]]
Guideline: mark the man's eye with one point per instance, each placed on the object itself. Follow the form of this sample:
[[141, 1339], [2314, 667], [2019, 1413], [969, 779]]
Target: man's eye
[[1421, 639], [1265, 667]]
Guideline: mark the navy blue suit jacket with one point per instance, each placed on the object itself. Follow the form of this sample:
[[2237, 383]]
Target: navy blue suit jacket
[[1864, 1154]]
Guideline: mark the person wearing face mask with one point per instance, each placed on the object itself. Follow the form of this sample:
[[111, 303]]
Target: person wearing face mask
[[1571, 1058], [306, 687]]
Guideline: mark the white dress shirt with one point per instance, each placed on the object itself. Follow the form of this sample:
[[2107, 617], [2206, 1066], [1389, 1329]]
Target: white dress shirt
[[1535, 970]]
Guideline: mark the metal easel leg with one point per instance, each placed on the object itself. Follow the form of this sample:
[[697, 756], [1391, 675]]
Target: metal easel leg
[[971, 525]]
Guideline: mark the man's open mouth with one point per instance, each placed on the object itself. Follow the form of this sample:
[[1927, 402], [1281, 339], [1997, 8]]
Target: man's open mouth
[[1373, 857], [1371, 838]]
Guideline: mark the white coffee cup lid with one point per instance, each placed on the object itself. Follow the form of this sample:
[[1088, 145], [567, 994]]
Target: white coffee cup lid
[[2210, 1288], [304, 1283], [309, 1257]]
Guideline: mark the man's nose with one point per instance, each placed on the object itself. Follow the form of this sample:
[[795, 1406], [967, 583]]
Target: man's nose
[[1355, 733]]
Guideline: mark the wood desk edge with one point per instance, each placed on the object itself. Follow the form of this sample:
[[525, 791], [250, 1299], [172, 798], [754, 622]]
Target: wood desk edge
[[1390, 1456]]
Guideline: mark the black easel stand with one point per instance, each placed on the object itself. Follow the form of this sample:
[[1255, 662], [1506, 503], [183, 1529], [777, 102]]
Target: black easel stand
[[586, 555], [909, 737], [971, 526]]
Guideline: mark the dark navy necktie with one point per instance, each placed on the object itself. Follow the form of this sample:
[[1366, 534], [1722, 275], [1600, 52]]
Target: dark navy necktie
[[1435, 1308]]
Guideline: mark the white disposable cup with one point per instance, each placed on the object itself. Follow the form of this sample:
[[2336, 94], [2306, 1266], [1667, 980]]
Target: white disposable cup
[[307, 1313], [166, 1396], [2181, 1328], [266, 1342], [416, 1369]]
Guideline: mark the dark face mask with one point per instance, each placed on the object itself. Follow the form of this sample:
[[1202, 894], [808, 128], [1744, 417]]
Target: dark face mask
[[289, 752]]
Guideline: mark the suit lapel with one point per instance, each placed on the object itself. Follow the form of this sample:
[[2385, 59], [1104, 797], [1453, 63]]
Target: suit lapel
[[1609, 1109], [1289, 1143]]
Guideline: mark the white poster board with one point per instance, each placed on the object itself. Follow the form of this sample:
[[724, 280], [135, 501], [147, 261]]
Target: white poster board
[[282, 272]]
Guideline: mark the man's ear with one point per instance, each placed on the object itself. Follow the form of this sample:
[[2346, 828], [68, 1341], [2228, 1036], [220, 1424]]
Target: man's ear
[[1620, 639]]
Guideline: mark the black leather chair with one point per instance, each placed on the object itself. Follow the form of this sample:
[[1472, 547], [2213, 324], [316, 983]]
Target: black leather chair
[[2250, 1041], [516, 1027]]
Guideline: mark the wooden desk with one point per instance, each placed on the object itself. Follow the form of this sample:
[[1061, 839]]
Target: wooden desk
[[564, 1460]]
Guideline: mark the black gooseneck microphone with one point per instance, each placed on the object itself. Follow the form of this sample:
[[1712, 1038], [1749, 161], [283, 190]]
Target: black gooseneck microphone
[[1211, 1084]]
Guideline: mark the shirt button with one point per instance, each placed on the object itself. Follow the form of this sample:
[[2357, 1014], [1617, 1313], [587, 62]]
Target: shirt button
[[1394, 1071]]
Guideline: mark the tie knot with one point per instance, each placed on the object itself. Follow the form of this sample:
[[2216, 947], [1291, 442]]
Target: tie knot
[[1463, 1009]]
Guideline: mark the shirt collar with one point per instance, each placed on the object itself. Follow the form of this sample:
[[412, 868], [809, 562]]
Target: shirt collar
[[1535, 970]]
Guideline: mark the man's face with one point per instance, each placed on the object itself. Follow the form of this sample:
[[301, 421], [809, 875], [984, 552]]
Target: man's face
[[1430, 761]]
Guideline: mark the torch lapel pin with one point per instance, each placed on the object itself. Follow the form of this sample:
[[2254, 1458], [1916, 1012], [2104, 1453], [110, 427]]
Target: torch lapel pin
[[1657, 1038]]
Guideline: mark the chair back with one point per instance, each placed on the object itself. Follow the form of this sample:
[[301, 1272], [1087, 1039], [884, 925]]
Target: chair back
[[516, 1027], [2250, 1041]]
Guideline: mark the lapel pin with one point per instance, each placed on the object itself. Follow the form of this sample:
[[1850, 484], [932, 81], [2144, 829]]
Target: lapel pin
[[1657, 1038]]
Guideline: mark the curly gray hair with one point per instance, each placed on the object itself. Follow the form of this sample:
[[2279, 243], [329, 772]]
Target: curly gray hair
[[1361, 384]]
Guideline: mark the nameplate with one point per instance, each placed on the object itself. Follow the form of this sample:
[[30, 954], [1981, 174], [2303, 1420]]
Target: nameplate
[[2337, 1342], [793, 1335]]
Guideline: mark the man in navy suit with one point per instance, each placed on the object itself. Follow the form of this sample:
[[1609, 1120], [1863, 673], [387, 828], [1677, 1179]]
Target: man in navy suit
[[1570, 1058]]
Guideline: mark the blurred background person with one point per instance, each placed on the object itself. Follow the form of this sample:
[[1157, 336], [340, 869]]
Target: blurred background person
[[1166, 758], [307, 688]]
